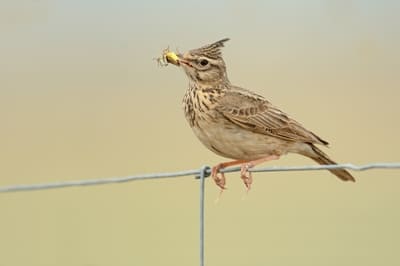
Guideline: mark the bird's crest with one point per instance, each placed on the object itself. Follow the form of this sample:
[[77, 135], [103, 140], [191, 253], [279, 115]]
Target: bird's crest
[[212, 50]]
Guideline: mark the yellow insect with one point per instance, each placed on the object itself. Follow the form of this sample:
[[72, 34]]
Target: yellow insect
[[167, 57]]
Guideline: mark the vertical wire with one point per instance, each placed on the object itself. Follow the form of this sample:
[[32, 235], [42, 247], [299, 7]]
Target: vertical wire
[[203, 174]]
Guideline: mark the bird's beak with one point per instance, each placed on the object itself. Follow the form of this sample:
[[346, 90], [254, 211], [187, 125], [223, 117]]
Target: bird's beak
[[183, 61], [176, 59]]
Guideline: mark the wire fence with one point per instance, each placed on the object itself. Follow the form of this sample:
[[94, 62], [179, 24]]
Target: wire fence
[[195, 172], [200, 174]]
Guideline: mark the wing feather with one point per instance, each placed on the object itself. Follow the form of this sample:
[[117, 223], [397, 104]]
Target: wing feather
[[252, 112]]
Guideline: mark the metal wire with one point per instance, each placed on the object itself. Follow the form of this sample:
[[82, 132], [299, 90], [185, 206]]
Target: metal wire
[[98, 181], [323, 167], [195, 172], [201, 174]]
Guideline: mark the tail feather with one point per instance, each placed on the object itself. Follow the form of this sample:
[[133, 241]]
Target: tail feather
[[321, 158]]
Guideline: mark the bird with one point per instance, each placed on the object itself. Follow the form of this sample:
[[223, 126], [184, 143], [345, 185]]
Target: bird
[[237, 123]]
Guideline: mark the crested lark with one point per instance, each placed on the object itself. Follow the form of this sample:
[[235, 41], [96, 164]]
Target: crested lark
[[237, 123]]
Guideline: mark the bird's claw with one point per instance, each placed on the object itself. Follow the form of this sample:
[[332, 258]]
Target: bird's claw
[[219, 178], [246, 176]]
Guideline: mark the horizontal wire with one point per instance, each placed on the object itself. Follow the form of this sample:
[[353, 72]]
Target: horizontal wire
[[98, 181], [321, 167], [195, 172]]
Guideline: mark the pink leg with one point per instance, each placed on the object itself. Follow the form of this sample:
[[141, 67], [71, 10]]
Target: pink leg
[[218, 177], [244, 171]]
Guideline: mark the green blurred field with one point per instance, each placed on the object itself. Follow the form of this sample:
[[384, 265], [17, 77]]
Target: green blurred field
[[81, 97]]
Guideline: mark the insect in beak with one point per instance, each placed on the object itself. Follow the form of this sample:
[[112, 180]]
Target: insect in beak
[[168, 57], [172, 58]]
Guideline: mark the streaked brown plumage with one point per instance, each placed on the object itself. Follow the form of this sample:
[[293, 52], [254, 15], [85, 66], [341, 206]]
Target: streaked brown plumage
[[237, 123]]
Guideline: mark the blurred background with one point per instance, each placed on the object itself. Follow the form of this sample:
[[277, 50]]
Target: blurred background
[[81, 97]]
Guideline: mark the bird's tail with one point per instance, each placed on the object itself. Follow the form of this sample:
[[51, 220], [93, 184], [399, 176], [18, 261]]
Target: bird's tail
[[321, 158]]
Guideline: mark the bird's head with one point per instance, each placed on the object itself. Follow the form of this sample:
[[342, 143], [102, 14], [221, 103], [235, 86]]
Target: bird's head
[[204, 65]]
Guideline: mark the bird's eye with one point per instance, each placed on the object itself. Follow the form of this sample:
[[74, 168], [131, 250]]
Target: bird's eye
[[204, 62]]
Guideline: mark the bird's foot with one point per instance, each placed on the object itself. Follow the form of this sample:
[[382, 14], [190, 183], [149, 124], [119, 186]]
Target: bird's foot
[[246, 176], [219, 178]]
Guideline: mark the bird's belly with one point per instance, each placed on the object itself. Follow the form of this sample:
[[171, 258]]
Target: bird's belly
[[233, 142]]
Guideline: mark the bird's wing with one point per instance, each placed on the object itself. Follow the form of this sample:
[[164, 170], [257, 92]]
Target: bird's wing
[[252, 112]]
